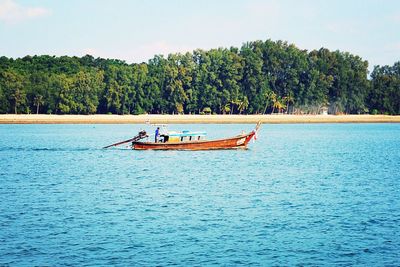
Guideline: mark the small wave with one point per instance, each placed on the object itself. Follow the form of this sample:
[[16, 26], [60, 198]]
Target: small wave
[[39, 149], [94, 249]]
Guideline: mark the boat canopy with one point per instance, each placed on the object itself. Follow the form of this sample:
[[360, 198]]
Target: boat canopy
[[186, 133]]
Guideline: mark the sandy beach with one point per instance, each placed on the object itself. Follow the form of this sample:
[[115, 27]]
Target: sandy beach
[[177, 119]]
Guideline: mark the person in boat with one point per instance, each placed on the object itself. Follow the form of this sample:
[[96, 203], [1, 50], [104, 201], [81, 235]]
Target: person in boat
[[157, 134], [163, 135]]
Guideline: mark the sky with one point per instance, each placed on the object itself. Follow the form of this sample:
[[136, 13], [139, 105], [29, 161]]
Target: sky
[[136, 30]]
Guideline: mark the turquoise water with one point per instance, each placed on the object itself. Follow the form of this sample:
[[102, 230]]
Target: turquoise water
[[309, 194]]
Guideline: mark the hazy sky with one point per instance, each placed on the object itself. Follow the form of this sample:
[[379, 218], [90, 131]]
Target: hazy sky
[[136, 30]]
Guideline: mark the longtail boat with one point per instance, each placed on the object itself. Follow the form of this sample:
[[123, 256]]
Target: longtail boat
[[187, 140]]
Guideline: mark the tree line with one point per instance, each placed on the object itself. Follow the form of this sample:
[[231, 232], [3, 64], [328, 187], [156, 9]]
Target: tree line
[[261, 77]]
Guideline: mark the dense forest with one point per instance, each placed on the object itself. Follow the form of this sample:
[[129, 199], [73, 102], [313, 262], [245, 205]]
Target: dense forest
[[259, 78]]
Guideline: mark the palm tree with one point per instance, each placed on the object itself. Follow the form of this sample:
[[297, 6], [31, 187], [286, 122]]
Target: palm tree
[[207, 110], [226, 108], [242, 105], [289, 99], [245, 103], [278, 104], [18, 96], [270, 96], [234, 103], [38, 100]]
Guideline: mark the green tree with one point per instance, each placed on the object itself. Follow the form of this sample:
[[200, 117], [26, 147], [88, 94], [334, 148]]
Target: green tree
[[384, 96], [65, 102], [243, 104], [13, 83], [253, 79], [38, 100], [270, 99], [253, 76], [289, 99]]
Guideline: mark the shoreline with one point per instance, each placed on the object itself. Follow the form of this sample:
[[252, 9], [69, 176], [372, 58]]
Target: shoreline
[[193, 119]]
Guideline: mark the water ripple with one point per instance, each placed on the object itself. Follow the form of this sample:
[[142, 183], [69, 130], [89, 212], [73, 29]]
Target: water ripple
[[301, 195]]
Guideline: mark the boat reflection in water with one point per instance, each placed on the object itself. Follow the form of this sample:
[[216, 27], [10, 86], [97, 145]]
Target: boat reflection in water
[[187, 140]]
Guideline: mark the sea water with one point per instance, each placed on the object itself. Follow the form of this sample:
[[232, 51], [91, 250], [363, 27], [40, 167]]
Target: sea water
[[302, 194]]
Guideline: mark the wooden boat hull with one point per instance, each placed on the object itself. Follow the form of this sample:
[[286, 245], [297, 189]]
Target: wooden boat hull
[[237, 142]]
